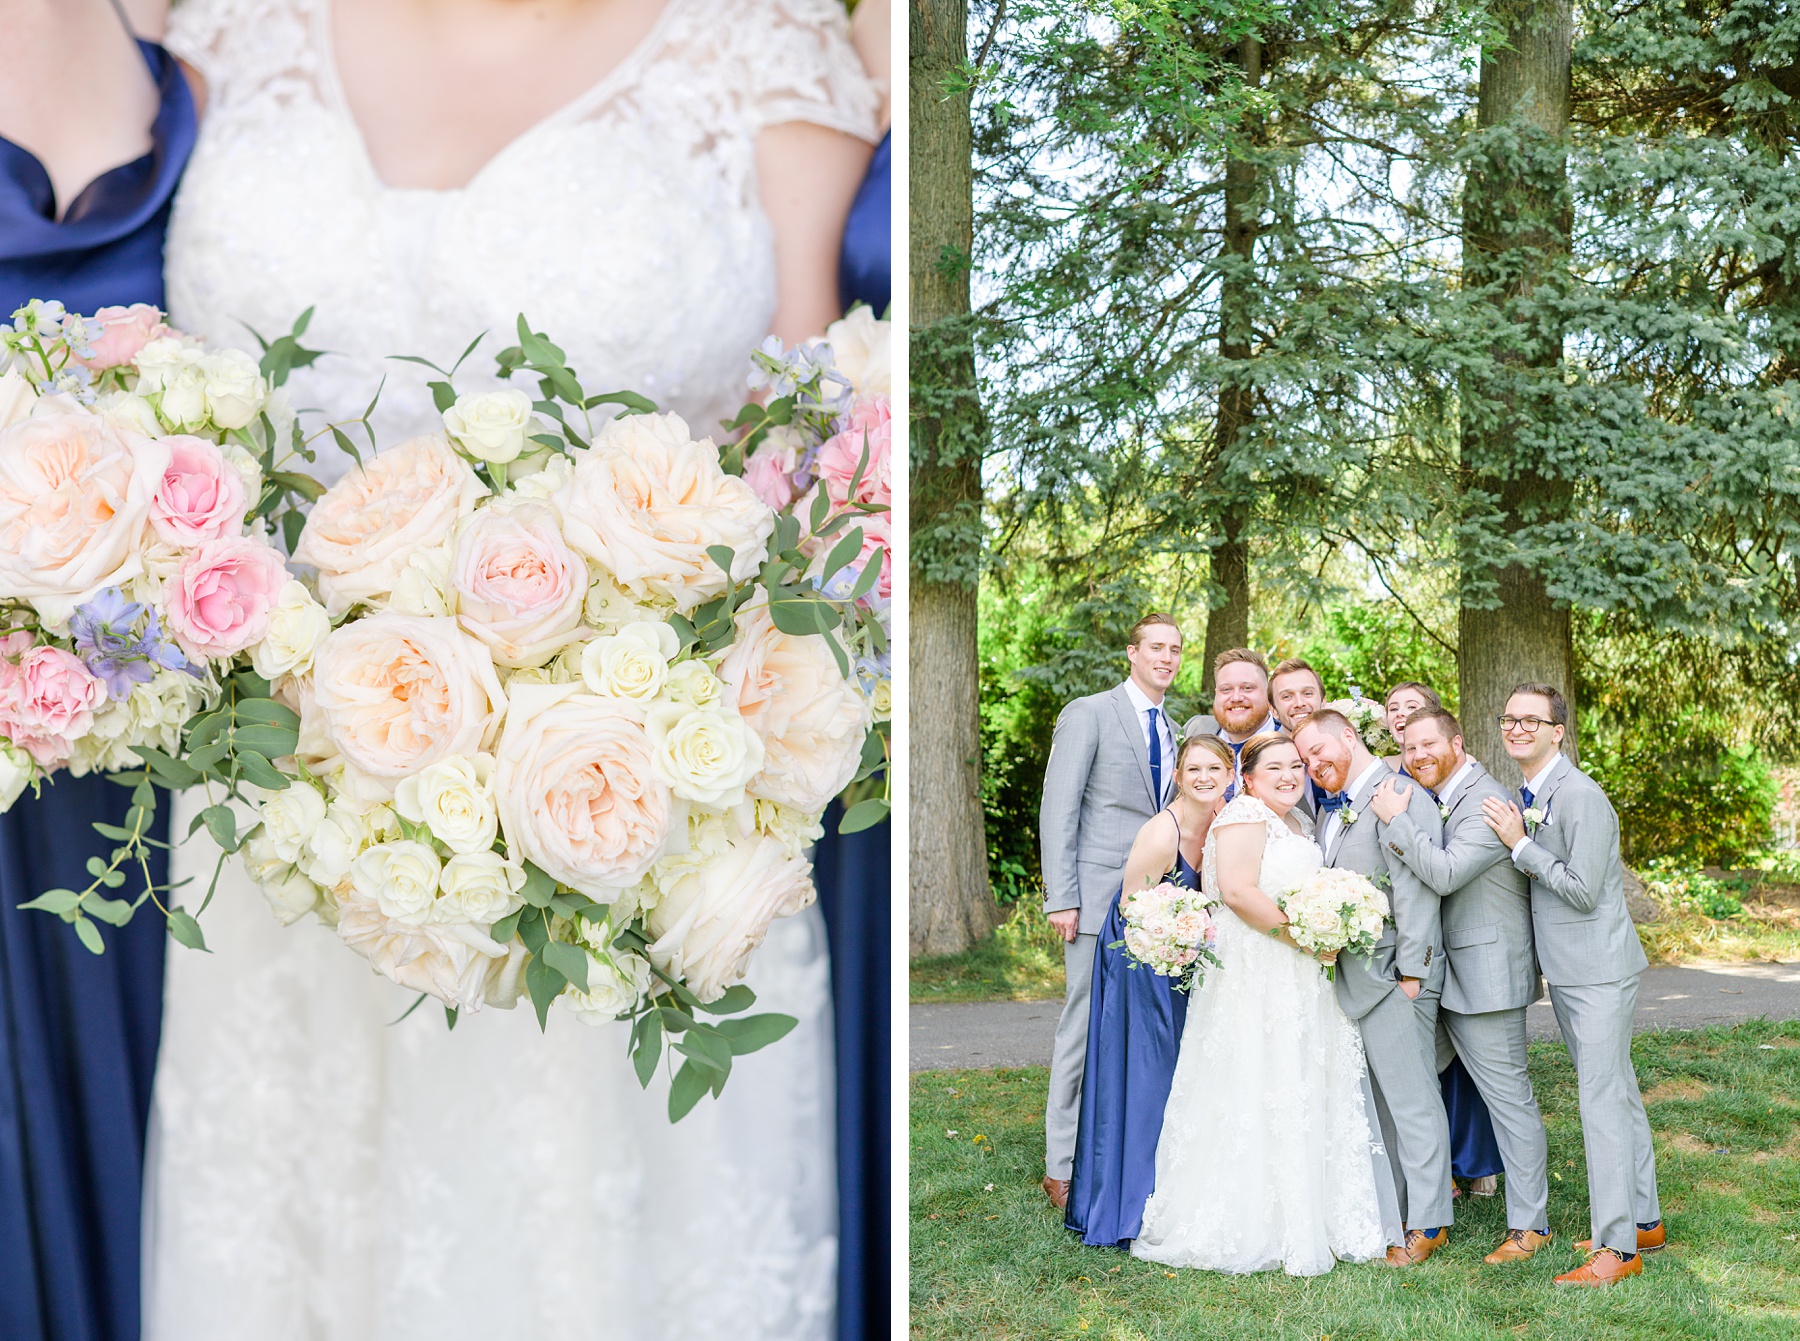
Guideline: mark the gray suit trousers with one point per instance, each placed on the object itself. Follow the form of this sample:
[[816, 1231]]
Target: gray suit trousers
[[1062, 1114], [1621, 1160], [1492, 1048], [1400, 1042]]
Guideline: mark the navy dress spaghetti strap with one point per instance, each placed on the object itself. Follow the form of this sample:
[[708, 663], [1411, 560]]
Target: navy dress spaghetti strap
[[851, 873], [78, 1031], [1135, 1018]]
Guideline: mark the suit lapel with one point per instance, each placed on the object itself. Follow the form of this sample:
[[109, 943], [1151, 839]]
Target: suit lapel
[[1134, 733], [1550, 788], [1351, 807], [1466, 791]]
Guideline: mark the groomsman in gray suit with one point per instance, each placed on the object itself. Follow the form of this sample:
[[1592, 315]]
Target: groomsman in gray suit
[[1112, 766], [1566, 838], [1392, 992], [1492, 975]]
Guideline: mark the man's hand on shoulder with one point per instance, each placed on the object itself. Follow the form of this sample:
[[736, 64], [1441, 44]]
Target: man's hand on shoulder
[[1390, 800]]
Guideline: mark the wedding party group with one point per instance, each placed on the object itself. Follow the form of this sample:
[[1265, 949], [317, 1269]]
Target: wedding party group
[[446, 561], [1301, 937]]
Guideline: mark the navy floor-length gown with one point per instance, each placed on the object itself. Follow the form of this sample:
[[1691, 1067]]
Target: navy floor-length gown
[[78, 1032], [1474, 1150], [855, 891], [1135, 1018]]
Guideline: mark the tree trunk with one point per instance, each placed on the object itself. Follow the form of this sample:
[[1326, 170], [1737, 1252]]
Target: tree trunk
[[952, 905], [1228, 625], [1516, 231]]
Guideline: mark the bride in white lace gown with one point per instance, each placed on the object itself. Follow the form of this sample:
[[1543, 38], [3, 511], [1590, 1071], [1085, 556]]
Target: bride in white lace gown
[[317, 1171], [1266, 1158]]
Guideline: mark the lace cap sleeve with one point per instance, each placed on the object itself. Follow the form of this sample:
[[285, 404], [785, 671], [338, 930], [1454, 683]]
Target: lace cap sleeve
[[199, 31], [1244, 810], [801, 67]]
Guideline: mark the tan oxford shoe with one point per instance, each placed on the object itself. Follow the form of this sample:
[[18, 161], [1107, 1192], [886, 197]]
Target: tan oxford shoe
[[1605, 1267], [1419, 1246], [1057, 1189], [1518, 1245]]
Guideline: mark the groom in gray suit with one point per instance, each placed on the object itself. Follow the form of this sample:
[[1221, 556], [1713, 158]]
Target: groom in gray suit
[[1392, 992], [1566, 838], [1112, 765], [1492, 975]]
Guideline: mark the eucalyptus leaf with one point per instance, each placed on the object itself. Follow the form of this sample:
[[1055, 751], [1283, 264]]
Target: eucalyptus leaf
[[185, 929], [864, 815], [57, 901], [735, 999], [568, 960], [755, 1031], [545, 984], [90, 935], [690, 1083]]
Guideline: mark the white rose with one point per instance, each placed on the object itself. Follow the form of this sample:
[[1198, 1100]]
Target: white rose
[[713, 914], [248, 468], [291, 896], [335, 842], [479, 887], [422, 586], [536, 478], [183, 403], [15, 774], [127, 411], [705, 757], [17, 397], [454, 798], [458, 963], [693, 683], [811, 719], [794, 829], [631, 663], [289, 818], [648, 501], [881, 702], [260, 858], [609, 606], [160, 360], [235, 389], [400, 878], [859, 350], [615, 982], [297, 627], [491, 425]]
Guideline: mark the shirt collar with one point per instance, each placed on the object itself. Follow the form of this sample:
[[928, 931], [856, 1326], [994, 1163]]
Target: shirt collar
[[1139, 699], [1356, 786], [1456, 780], [1536, 785]]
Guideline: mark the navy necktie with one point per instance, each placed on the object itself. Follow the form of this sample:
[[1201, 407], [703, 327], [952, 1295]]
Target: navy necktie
[[1155, 758], [1525, 795]]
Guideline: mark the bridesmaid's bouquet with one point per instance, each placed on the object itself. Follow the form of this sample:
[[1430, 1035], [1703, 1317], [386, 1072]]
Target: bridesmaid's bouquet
[[820, 453], [555, 716], [1169, 931], [1367, 717], [1335, 910]]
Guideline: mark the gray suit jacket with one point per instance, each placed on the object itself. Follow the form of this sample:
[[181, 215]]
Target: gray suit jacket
[[1584, 933], [1487, 901], [1412, 944], [1096, 797]]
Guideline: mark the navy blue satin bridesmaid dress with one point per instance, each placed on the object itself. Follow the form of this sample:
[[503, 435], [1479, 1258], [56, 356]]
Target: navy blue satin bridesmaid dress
[[855, 887], [1474, 1150], [1135, 1019], [78, 1032]]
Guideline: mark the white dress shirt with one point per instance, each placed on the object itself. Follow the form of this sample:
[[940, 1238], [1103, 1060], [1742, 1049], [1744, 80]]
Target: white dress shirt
[[1335, 823], [1536, 787], [1456, 780], [1141, 704]]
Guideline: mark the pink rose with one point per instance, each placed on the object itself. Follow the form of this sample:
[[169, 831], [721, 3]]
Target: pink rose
[[519, 587], [47, 702], [876, 536], [223, 596], [75, 496], [770, 473], [124, 332], [367, 526], [201, 496], [870, 423]]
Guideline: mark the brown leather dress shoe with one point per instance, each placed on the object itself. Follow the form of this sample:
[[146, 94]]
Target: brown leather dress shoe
[[1605, 1267], [1419, 1246], [1057, 1189], [1518, 1245], [1649, 1240]]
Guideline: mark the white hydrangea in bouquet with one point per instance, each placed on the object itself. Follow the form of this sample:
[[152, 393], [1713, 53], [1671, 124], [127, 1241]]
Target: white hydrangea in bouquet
[[1367, 716], [819, 453], [138, 489], [1168, 930], [1335, 910]]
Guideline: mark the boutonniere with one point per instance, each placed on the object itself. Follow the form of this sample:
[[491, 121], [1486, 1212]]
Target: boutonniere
[[1533, 818], [1443, 810], [1350, 816]]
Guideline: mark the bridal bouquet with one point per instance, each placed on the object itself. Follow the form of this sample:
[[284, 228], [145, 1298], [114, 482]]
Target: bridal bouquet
[[1168, 930], [820, 452], [557, 716], [1335, 910], [1367, 717]]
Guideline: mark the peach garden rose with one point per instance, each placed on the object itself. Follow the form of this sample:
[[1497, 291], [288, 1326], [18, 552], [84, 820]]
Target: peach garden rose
[[519, 588]]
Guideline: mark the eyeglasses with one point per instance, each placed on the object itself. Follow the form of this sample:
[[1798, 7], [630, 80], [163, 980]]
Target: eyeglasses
[[1529, 725]]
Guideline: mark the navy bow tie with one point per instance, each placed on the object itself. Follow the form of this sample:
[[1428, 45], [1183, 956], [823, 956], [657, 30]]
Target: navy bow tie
[[1331, 801]]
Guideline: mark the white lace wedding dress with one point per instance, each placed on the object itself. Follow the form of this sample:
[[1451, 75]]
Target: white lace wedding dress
[[316, 1171], [1266, 1157]]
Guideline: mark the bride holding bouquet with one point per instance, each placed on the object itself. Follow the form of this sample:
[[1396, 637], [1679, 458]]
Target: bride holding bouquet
[[659, 184]]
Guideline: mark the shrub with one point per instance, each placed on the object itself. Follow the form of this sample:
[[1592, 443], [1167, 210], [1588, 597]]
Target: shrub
[[1684, 795]]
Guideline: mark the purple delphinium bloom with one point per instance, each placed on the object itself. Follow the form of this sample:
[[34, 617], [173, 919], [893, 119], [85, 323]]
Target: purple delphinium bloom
[[109, 643]]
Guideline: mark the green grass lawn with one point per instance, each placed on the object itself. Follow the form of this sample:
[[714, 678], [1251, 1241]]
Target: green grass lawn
[[990, 1257]]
